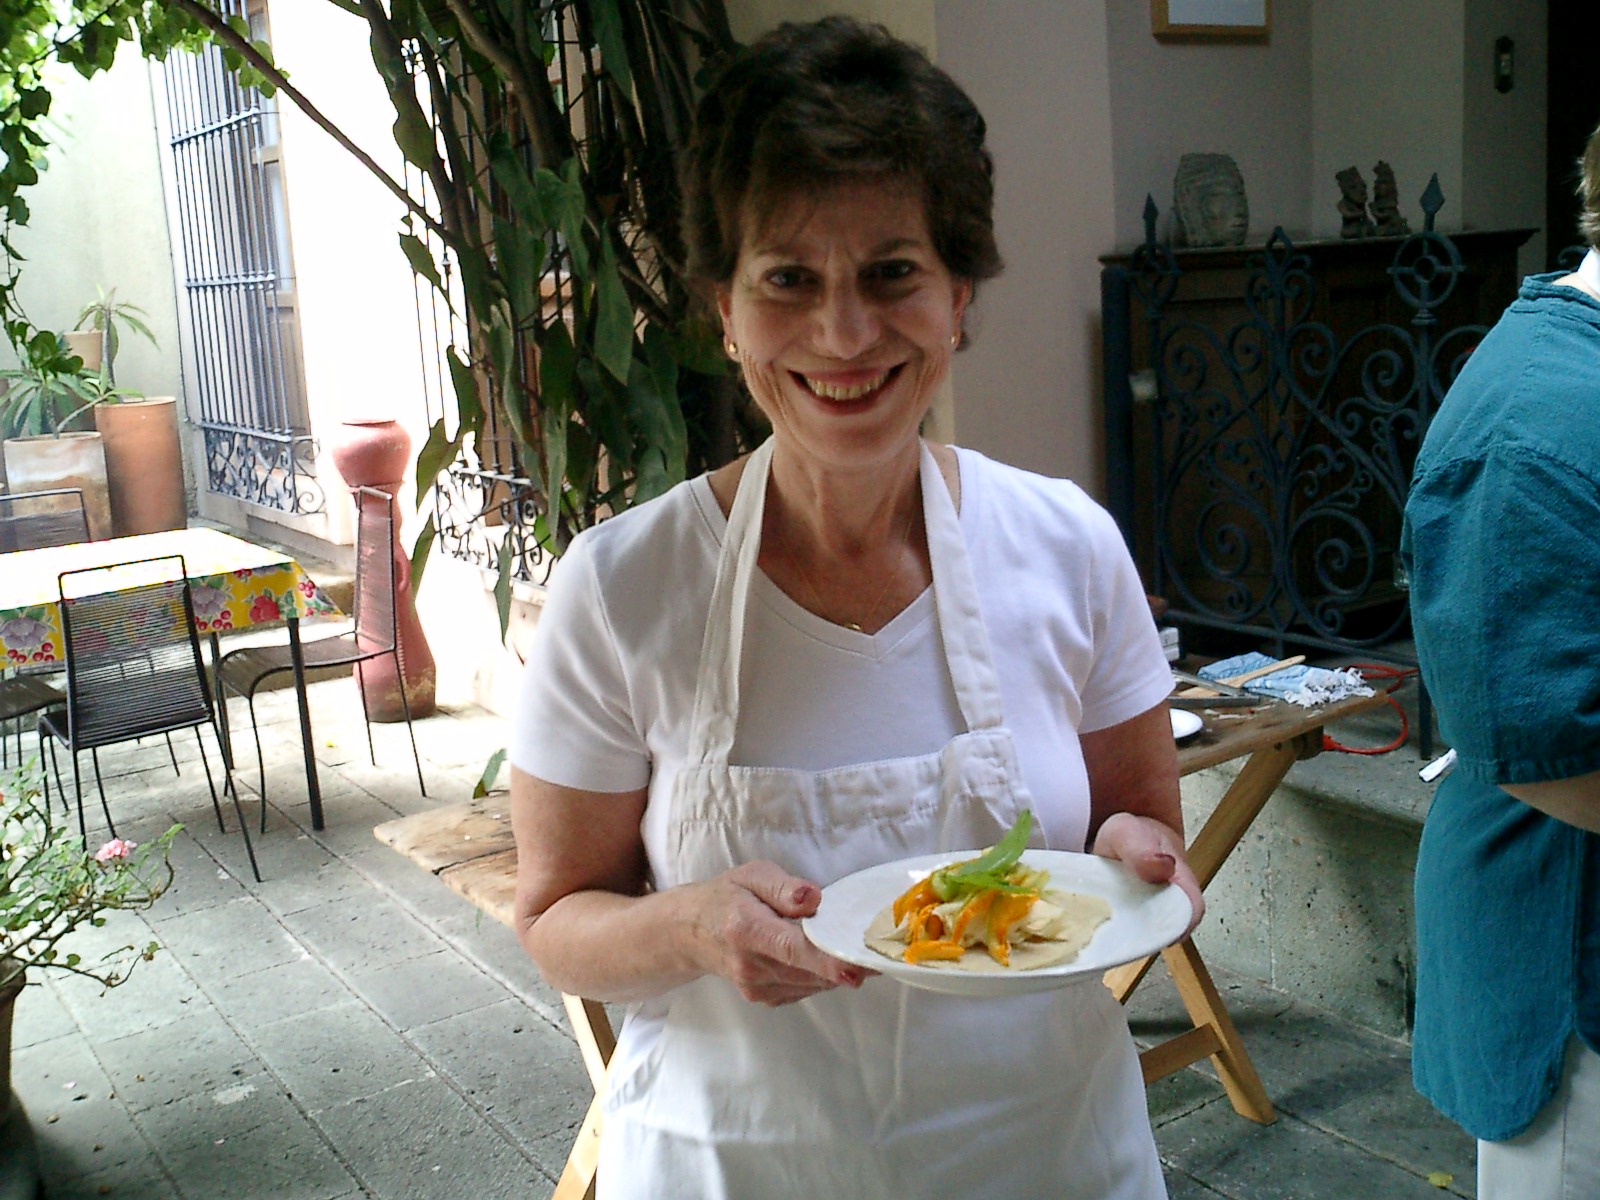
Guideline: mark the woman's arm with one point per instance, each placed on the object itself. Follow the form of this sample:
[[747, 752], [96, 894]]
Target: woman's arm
[[1575, 801], [586, 919], [1135, 812]]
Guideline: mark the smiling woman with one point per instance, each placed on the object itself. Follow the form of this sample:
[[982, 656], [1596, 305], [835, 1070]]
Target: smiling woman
[[849, 648]]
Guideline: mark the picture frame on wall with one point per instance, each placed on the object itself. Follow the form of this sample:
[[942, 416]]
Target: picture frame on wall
[[1200, 19]]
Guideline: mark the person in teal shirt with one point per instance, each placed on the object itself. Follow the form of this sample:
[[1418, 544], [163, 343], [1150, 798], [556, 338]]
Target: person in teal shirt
[[1502, 542]]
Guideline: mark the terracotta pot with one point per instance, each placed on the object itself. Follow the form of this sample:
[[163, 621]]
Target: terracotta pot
[[373, 453], [63, 460], [87, 344], [144, 465]]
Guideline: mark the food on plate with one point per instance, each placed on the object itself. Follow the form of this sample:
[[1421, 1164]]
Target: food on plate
[[990, 913]]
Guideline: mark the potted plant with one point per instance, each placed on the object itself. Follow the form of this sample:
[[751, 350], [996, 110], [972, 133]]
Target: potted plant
[[144, 461], [44, 398], [50, 886]]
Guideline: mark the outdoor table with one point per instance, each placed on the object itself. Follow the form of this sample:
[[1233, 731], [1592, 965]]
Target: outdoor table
[[235, 584], [470, 847]]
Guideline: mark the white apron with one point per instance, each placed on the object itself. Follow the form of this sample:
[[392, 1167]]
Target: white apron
[[885, 1091]]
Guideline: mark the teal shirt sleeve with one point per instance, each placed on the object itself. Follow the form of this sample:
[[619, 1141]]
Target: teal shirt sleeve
[[1506, 609]]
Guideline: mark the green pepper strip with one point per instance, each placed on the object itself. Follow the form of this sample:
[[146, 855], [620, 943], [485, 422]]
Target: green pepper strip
[[989, 870]]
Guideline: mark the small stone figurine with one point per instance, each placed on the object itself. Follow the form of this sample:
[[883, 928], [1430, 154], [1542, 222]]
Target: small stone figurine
[[1386, 203], [1353, 205]]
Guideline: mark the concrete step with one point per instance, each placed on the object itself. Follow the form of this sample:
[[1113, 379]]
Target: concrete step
[[1317, 898]]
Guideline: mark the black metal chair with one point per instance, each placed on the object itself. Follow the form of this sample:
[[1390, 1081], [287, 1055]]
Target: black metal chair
[[134, 668], [373, 633], [31, 521]]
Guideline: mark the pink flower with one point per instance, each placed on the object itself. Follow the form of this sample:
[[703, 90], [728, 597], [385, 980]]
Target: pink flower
[[117, 848], [265, 608]]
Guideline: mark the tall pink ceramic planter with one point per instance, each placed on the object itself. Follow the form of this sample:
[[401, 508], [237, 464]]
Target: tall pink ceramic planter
[[373, 453]]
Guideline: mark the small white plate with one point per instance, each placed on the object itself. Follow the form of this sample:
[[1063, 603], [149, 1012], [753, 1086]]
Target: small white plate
[[1144, 918], [1185, 723]]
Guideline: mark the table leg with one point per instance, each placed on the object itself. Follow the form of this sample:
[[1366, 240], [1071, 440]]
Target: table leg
[[577, 1177], [298, 658], [1260, 776], [1210, 1017], [221, 701]]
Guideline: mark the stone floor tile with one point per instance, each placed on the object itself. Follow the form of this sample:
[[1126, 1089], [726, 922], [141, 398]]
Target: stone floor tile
[[513, 1064], [337, 1054], [200, 1053], [421, 1140], [419, 991]]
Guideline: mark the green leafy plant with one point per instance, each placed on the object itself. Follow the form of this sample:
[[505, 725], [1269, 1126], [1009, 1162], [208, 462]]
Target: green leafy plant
[[41, 400], [38, 397], [51, 886], [107, 316]]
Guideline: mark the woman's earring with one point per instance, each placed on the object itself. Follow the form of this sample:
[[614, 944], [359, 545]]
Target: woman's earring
[[732, 348], [955, 340]]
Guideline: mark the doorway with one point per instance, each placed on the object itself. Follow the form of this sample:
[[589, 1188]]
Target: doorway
[[1574, 112]]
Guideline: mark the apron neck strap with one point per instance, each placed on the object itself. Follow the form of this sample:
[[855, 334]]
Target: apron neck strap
[[966, 645]]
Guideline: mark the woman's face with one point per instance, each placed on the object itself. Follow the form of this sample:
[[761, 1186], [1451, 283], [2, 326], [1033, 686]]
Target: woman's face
[[843, 314]]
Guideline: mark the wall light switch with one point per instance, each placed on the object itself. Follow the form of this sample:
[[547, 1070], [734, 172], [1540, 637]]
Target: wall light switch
[[1505, 52]]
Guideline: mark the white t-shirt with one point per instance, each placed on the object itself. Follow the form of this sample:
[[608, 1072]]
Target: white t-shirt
[[608, 688]]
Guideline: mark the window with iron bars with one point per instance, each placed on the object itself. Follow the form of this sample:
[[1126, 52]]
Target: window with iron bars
[[231, 230]]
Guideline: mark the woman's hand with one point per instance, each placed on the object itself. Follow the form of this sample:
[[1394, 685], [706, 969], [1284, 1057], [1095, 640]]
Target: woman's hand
[[1154, 853], [743, 923]]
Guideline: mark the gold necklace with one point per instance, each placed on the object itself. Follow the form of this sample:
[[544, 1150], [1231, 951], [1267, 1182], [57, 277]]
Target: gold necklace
[[816, 599]]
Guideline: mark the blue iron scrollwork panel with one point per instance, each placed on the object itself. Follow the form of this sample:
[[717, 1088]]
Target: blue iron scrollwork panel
[[1282, 452], [1263, 414]]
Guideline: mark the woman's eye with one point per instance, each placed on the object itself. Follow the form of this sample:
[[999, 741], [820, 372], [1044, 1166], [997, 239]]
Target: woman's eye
[[892, 271], [785, 277]]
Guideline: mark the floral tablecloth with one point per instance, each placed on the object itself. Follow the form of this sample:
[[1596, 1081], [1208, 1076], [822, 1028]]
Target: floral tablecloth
[[235, 584]]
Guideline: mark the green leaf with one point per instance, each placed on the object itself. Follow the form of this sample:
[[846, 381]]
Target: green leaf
[[502, 586], [613, 334], [469, 404], [555, 424], [421, 260], [521, 258], [557, 368], [420, 550], [33, 103], [437, 453], [658, 416], [491, 772], [514, 179], [414, 136], [608, 36]]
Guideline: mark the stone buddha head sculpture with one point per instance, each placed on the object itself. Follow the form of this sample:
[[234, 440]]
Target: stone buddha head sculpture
[[1208, 197]]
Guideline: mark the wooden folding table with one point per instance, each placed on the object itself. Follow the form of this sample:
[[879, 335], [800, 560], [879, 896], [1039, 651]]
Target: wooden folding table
[[470, 847], [1271, 738]]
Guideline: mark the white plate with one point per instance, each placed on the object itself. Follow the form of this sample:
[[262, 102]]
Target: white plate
[[1185, 723], [1144, 918]]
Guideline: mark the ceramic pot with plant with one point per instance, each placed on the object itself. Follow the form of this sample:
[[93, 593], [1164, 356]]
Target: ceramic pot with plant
[[144, 458], [42, 412], [51, 885]]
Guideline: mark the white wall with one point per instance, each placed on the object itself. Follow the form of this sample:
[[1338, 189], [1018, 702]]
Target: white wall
[[1503, 139], [1027, 388], [1387, 84], [98, 218], [358, 317], [1251, 100]]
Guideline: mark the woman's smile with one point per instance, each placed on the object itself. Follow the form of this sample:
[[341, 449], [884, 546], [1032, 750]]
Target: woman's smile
[[842, 388]]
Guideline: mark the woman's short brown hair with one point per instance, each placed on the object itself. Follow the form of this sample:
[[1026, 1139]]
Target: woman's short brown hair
[[810, 106], [1589, 191]]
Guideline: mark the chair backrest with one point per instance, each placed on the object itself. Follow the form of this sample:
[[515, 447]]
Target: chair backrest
[[30, 520], [375, 615], [133, 656]]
